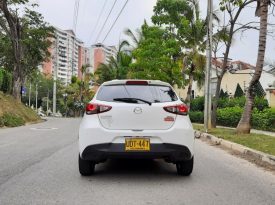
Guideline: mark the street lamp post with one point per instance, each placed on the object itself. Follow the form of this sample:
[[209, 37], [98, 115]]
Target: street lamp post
[[55, 74]]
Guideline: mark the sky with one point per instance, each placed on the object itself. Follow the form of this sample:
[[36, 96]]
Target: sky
[[60, 13]]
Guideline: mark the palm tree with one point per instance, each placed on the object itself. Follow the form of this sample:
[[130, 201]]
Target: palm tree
[[262, 12], [194, 62], [135, 37], [193, 65], [117, 66]]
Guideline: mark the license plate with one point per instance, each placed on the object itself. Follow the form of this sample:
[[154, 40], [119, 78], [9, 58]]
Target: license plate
[[137, 144]]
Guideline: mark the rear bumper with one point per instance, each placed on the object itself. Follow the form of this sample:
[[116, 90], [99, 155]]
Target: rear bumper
[[169, 152]]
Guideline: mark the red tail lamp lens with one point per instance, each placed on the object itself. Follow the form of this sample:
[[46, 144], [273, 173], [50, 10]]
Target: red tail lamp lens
[[92, 108], [177, 109]]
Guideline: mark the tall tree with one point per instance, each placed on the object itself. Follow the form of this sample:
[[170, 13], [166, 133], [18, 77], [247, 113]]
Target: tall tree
[[157, 57], [233, 8], [27, 36], [262, 12], [182, 19]]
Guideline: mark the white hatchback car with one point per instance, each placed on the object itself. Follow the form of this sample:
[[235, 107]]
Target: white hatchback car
[[136, 119]]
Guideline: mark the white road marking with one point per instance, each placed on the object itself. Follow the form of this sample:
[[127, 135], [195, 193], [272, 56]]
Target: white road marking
[[44, 128]]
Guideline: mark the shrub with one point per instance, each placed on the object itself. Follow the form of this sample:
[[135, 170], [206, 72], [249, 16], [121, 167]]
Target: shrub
[[264, 120], [6, 83], [197, 104], [231, 102], [260, 103], [239, 91], [229, 116], [1, 77], [196, 116], [10, 120]]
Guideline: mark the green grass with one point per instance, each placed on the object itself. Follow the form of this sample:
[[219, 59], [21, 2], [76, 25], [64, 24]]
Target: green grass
[[260, 142], [13, 114]]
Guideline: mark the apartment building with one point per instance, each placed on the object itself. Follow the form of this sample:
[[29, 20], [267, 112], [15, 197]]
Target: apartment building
[[68, 54], [101, 53], [238, 73], [84, 59]]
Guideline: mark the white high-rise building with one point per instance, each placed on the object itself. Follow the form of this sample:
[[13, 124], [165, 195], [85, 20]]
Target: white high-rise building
[[66, 56]]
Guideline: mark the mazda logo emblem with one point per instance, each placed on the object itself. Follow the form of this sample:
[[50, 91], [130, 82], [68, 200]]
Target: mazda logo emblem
[[138, 110]]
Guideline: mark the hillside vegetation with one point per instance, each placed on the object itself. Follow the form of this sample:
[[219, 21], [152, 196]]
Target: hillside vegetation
[[13, 114]]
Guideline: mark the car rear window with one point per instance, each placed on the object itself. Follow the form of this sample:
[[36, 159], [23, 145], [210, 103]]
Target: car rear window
[[151, 93]]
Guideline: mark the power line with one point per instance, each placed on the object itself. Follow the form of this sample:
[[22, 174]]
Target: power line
[[106, 20], [97, 21], [115, 20]]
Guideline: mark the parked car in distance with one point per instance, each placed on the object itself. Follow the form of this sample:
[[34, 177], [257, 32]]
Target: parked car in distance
[[41, 114], [136, 119]]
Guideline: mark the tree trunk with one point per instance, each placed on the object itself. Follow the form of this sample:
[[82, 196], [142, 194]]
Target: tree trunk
[[189, 91], [15, 30], [244, 124], [16, 84], [233, 20]]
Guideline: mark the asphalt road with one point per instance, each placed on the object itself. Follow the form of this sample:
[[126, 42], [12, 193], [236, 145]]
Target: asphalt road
[[38, 165]]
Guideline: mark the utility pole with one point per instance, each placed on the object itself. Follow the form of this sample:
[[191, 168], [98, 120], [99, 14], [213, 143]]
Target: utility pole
[[36, 94], [55, 74], [207, 92], [30, 90], [47, 103]]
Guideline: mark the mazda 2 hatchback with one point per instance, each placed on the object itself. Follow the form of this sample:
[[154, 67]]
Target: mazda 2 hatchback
[[136, 119]]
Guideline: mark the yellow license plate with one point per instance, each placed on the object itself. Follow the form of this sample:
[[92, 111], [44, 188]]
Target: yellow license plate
[[137, 144]]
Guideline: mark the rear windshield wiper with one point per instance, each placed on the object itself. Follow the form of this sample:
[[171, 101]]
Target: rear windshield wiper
[[132, 100]]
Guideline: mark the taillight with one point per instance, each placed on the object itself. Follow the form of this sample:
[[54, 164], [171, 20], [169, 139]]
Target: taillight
[[177, 109], [92, 108]]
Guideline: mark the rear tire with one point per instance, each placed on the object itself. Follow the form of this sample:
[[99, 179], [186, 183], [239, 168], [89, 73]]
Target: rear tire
[[185, 168], [86, 168]]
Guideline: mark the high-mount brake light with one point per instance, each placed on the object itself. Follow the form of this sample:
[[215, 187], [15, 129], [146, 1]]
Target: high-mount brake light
[[177, 109], [92, 108], [136, 82]]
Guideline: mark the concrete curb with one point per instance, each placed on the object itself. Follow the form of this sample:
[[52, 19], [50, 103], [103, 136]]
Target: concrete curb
[[270, 159]]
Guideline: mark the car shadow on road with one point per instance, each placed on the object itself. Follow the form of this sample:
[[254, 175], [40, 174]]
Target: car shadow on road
[[135, 167]]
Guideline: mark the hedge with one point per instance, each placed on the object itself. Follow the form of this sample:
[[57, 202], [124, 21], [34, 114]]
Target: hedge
[[230, 117], [264, 120], [196, 116], [260, 103]]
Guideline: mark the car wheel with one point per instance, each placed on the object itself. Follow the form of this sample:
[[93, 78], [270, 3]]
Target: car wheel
[[86, 168], [185, 168]]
